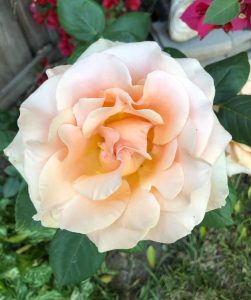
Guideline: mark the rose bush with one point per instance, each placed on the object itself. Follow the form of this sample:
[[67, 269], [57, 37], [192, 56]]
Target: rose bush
[[123, 146]]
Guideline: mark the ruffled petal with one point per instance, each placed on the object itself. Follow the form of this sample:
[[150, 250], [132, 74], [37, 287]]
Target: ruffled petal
[[141, 214], [136, 141], [169, 182], [217, 143], [37, 112], [101, 186], [140, 58], [88, 78], [176, 224], [199, 76], [84, 106], [201, 114], [162, 92], [162, 159], [84, 215]]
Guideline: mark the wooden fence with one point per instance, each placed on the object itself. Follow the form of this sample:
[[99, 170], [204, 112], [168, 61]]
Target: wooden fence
[[22, 45]]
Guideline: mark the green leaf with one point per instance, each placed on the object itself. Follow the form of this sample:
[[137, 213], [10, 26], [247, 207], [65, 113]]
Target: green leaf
[[221, 217], [73, 257], [229, 76], [130, 27], [175, 53], [11, 171], [80, 49], [6, 137], [82, 19], [25, 210], [221, 12], [11, 187], [235, 116]]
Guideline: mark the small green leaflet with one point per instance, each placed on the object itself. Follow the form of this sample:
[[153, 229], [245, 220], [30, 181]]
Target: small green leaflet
[[222, 11], [235, 116], [131, 27], [83, 19], [77, 52], [25, 210], [175, 53], [229, 76]]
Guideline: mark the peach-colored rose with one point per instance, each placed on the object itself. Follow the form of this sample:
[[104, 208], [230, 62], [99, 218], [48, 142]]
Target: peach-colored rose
[[239, 155], [123, 146], [238, 159]]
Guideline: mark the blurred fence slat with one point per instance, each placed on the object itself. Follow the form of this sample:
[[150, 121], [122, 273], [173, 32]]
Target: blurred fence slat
[[14, 51], [21, 44], [36, 36]]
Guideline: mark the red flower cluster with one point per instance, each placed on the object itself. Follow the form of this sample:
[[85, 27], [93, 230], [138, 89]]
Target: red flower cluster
[[65, 46], [129, 4], [132, 4], [109, 4], [194, 17], [45, 12]]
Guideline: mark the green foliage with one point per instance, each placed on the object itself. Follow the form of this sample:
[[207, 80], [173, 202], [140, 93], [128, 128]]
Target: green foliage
[[175, 53], [80, 48], [38, 276], [130, 27], [83, 19], [6, 137], [73, 257], [221, 217], [235, 116], [25, 210], [229, 76], [221, 12], [11, 187]]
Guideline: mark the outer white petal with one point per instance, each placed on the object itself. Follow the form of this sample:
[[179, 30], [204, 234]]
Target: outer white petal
[[175, 225], [234, 168], [141, 214], [15, 153], [140, 58], [89, 77], [99, 46], [197, 74], [58, 70], [37, 112], [219, 184], [83, 215]]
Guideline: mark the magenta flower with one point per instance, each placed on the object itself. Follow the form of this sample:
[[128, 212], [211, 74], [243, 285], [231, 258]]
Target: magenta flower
[[194, 17]]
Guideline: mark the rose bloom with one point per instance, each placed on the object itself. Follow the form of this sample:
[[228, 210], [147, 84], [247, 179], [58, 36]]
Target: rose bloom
[[123, 146]]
